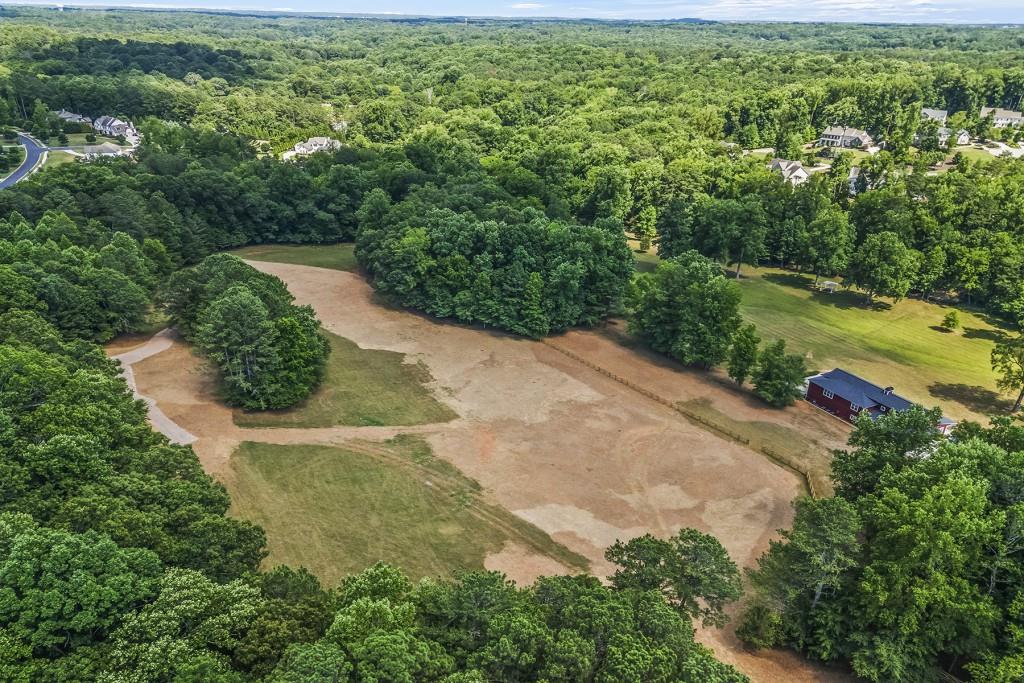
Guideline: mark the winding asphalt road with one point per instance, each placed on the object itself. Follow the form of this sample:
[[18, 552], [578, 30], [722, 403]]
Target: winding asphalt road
[[33, 152]]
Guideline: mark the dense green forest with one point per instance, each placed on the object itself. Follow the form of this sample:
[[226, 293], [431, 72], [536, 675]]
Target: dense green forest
[[489, 172], [914, 567], [582, 121]]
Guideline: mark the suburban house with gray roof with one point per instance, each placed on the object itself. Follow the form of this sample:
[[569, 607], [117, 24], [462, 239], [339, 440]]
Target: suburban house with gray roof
[[311, 146], [72, 117], [114, 127], [939, 115], [947, 136], [844, 136], [791, 171], [1003, 118], [852, 179], [105, 149]]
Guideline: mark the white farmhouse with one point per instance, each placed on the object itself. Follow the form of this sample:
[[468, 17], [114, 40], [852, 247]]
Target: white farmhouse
[[844, 136], [311, 146], [1003, 118]]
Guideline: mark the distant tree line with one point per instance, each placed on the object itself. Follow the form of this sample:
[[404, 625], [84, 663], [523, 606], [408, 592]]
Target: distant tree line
[[776, 86]]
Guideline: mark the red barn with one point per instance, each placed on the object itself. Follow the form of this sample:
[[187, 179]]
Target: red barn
[[847, 396]]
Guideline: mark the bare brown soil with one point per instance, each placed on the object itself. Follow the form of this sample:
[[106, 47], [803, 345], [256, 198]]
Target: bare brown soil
[[125, 342], [579, 454], [801, 436]]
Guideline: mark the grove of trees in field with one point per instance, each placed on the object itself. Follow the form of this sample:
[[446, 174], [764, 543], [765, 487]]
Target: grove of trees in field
[[269, 352]]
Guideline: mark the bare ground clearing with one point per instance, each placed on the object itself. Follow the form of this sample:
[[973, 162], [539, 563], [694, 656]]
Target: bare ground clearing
[[576, 453], [802, 436]]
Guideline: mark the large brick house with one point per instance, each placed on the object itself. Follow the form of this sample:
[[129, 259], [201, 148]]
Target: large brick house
[[847, 396]]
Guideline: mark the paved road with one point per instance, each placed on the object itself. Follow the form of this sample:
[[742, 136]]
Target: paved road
[[33, 151]]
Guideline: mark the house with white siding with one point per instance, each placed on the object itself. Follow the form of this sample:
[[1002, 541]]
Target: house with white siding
[[312, 146], [114, 127], [791, 171], [844, 136], [960, 137], [1003, 118]]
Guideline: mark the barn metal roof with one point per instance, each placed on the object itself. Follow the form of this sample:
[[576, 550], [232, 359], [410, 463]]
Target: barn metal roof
[[858, 390]]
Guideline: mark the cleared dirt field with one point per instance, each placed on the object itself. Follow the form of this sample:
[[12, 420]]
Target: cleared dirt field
[[560, 444], [800, 437], [577, 453]]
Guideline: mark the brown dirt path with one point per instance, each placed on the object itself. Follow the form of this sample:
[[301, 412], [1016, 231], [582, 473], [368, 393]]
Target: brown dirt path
[[583, 457], [186, 394], [137, 353]]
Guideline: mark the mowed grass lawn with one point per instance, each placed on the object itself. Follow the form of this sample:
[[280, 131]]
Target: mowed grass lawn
[[858, 155], [361, 387], [54, 159], [898, 344], [971, 152], [336, 510], [334, 256], [78, 143]]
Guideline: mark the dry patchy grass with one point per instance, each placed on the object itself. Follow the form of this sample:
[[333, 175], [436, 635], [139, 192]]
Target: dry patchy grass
[[338, 510], [361, 387], [788, 447]]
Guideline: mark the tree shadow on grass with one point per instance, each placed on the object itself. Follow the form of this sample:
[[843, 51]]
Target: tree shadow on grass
[[978, 399], [996, 336], [796, 280], [940, 328], [840, 298], [643, 266], [847, 299]]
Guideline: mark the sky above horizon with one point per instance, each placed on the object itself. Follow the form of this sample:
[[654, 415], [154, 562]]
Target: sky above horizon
[[911, 11]]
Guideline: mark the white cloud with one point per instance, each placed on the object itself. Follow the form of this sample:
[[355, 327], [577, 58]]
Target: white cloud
[[526, 5]]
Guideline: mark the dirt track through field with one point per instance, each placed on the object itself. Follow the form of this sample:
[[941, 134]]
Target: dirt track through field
[[558, 443], [160, 342]]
